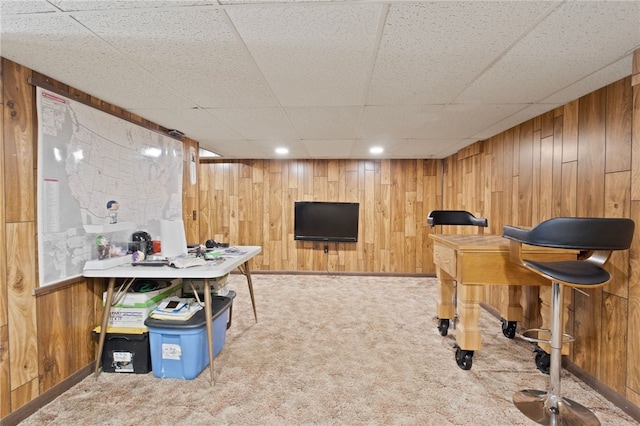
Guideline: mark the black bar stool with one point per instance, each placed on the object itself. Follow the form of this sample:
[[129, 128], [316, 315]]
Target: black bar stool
[[595, 238], [454, 217]]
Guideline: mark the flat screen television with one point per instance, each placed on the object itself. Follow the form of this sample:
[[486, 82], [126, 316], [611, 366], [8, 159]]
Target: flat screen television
[[326, 221]]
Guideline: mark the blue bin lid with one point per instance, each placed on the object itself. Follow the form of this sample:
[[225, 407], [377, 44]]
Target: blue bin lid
[[219, 304]]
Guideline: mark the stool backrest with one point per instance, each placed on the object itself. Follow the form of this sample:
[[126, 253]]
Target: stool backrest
[[579, 233], [456, 217]]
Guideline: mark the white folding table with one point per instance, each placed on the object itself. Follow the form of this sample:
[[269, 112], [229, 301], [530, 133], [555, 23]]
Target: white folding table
[[214, 269]]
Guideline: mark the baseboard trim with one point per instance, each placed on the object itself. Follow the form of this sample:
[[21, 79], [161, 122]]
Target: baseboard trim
[[614, 397], [341, 273], [46, 397]]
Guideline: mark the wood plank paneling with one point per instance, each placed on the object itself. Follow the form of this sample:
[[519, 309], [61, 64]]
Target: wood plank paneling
[[546, 166], [19, 143], [21, 279], [56, 355], [635, 137], [5, 394], [618, 126], [633, 312], [525, 174], [556, 182], [23, 394], [5, 383], [85, 310], [613, 352], [570, 132], [618, 204], [591, 149], [3, 253]]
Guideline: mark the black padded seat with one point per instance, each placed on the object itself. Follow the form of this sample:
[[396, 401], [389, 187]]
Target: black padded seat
[[595, 239], [581, 274]]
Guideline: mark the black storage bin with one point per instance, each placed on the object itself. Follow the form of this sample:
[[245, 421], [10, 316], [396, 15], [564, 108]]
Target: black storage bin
[[126, 352]]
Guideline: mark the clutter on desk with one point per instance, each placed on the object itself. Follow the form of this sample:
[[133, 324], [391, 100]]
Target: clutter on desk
[[141, 241], [176, 309], [187, 261]]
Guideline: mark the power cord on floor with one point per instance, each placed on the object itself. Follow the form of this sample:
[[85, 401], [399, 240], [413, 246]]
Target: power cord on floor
[[329, 273]]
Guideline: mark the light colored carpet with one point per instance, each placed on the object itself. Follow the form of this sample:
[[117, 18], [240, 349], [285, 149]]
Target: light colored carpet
[[346, 350]]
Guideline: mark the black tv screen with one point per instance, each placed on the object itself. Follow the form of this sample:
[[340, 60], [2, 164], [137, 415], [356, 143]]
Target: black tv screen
[[326, 221]]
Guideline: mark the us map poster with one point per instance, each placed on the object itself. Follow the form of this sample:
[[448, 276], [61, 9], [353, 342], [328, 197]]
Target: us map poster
[[87, 158]]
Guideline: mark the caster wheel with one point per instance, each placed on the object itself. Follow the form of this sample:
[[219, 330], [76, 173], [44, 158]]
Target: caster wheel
[[464, 358], [443, 327], [509, 328], [543, 360]]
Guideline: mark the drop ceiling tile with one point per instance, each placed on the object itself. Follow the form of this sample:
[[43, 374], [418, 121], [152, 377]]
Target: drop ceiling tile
[[430, 121], [381, 123], [76, 5], [339, 122], [256, 148], [450, 147], [408, 148], [561, 50], [430, 51], [296, 148], [65, 50], [525, 113], [333, 148], [237, 148], [465, 120], [196, 124], [192, 50], [312, 55], [256, 123], [600, 78], [8, 8]]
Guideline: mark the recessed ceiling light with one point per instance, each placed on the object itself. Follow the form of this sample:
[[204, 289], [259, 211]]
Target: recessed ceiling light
[[376, 150], [282, 151]]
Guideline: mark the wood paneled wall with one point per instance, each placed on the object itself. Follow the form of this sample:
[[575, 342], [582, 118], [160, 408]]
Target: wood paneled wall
[[45, 334], [580, 159], [252, 202]]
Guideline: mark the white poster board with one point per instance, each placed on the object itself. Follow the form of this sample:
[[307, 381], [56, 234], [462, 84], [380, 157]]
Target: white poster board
[[86, 158]]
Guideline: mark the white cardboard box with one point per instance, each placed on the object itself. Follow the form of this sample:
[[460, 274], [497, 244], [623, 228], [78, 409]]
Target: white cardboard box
[[133, 308], [130, 317], [216, 284], [143, 300]]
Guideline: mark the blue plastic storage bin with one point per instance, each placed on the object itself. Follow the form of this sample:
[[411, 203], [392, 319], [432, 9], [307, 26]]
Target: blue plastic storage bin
[[179, 348]]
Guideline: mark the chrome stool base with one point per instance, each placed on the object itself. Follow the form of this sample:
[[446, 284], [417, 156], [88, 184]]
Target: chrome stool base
[[536, 405]]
